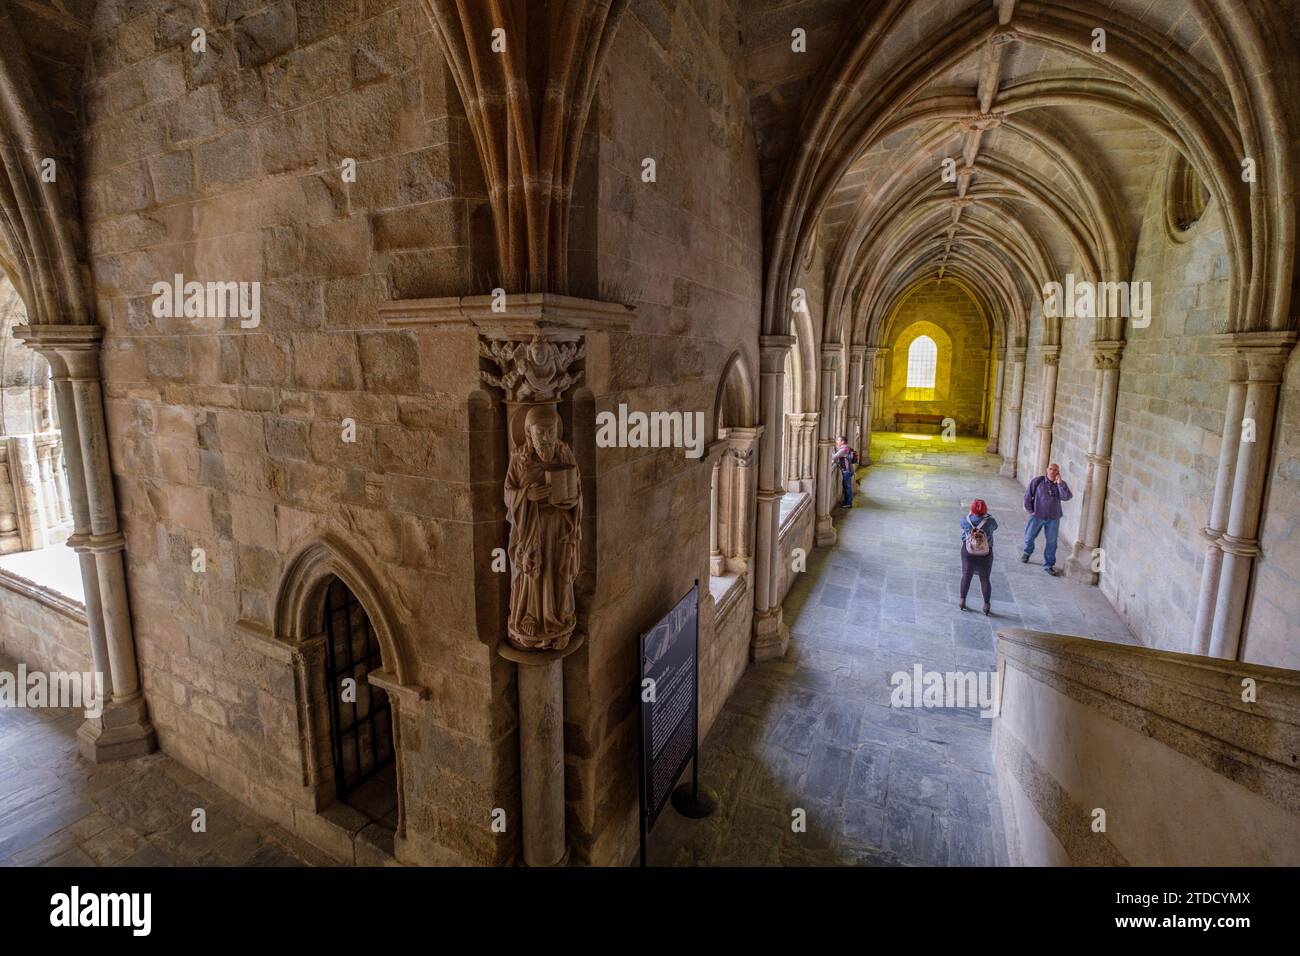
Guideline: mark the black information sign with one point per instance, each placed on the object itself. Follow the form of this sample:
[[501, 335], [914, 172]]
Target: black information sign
[[667, 687]]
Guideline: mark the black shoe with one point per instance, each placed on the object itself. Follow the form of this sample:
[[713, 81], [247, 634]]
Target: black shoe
[[962, 605], [1052, 571], [987, 611], [1024, 558]]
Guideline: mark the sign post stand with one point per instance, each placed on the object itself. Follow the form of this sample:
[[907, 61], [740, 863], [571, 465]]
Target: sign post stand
[[669, 716]]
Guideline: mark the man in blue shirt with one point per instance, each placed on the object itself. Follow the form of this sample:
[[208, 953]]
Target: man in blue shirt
[[1043, 500]]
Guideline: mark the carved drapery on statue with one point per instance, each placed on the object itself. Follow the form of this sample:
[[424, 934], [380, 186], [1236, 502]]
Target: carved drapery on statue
[[544, 507], [543, 488]]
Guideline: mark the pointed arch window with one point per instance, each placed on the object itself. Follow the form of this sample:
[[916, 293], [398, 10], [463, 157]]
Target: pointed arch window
[[922, 363]]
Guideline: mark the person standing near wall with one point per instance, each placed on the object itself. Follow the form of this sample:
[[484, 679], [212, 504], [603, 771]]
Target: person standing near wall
[[846, 460], [977, 551], [1043, 500]]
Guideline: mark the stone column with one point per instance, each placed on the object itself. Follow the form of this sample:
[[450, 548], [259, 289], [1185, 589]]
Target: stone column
[[1047, 406], [541, 751], [829, 378], [1221, 502], [881, 383], [124, 729], [868, 402], [1106, 359], [995, 411], [742, 444], [1017, 358], [1265, 356], [789, 473], [857, 353], [770, 637], [715, 553]]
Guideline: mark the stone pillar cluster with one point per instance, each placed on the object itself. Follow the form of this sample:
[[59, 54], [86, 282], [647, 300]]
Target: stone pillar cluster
[[869, 404], [1258, 362], [995, 410], [880, 381], [1047, 407], [730, 492], [854, 428], [832, 356], [1016, 356], [123, 730], [770, 637], [1106, 355], [800, 451]]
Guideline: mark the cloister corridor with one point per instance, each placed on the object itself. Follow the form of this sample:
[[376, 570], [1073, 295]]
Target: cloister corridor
[[881, 785]]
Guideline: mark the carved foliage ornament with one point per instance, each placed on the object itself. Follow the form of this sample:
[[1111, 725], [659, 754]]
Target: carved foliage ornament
[[536, 371]]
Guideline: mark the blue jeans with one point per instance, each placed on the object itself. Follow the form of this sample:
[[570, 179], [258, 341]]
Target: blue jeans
[[1049, 527], [848, 488]]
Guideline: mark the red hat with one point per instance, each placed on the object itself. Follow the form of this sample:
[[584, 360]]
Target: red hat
[[978, 507]]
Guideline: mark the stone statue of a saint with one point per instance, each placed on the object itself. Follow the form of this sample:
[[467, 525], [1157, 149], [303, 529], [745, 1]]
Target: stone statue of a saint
[[544, 507]]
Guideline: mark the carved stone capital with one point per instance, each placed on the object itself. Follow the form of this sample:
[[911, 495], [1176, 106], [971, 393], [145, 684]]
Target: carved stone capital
[[1107, 353], [1052, 356], [1259, 356], [535, 371], [772, 350], [71, 350]]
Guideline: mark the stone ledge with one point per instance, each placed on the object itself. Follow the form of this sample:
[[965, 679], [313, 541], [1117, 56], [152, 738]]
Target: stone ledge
[[525, 314], [72, 609], [1187, 702]]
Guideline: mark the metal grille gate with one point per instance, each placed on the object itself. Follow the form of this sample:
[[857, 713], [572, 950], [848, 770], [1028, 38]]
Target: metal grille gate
[[361, 731]]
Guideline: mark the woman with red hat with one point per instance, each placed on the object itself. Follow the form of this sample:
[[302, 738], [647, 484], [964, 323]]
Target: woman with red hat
[[977, 549]]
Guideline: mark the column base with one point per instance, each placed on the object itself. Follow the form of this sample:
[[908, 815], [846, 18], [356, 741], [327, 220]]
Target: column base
[[1079, 568], [1008, 469], [123, 731], [992, 446], [826, 533], [771, 637]]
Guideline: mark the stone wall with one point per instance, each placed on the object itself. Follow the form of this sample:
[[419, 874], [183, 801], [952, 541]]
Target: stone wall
[[45, 631], [1071, 423], [687, 248], [232, 165], [1031, 402], [950, 317], [1172, 392]]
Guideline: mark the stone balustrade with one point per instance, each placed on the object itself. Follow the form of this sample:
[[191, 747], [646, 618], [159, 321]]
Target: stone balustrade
[[1111, 754]]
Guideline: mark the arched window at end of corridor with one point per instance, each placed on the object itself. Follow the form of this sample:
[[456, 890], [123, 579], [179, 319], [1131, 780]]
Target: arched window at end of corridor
[[922, 364]]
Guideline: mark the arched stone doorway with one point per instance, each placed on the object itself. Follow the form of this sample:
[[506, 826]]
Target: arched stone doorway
[[349, 679]]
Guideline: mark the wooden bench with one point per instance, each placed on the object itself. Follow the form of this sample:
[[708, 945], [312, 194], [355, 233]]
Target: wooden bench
[[918, 422]]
